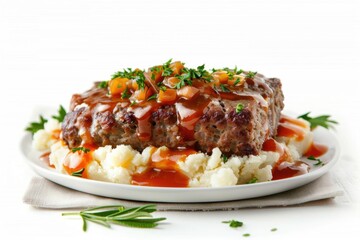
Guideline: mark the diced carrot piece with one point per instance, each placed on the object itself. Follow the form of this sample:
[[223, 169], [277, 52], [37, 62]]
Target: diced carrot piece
[[176, 67], [167, 96], [171, 81], [118, 85], [134, 85], [221, 76], [156, 73], [216, 82], [188, 92], [142, 94]]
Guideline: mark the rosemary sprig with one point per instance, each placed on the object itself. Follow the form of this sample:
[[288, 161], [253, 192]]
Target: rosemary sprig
[[137, 217], [323, 120]]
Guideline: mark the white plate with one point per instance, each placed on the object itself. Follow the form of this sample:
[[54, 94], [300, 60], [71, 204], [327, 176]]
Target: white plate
[[161, 194]]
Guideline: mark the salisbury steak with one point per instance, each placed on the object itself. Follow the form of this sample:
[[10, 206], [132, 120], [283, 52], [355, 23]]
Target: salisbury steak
[[230, 109]]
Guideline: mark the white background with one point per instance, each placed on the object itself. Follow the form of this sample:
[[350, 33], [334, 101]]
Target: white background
[[52, 49]]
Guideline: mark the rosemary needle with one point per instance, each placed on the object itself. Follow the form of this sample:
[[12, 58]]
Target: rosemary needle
[[138, 217]]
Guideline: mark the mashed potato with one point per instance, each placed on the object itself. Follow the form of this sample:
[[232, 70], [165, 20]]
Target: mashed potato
[[119, 164]]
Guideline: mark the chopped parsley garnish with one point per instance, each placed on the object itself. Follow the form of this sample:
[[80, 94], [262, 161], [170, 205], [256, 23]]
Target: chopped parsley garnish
[[183, 81], [61, 114], [318, 161], [126, 73], [224, 88], [162, 88], [246, 235], [154, 70], [137, 75], [78, 173], [83, 149], [140, 80], [132, 103], [251, 74], [213, 70], [103, 84], [238, 72], [234, 223], [190, 73], [237, 81], [239, 108], [224, 158], [152, 97], [253, 180], [167, 71], [274, 229], [36, 126], [323, 120], [125, 94]]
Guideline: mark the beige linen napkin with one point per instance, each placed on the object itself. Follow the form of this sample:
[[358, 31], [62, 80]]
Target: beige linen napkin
[[45, 194]]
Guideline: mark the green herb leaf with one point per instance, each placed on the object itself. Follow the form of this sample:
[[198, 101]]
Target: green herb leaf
[[224, 88], [137, 75], [190, 74], [318, 161], [253, 180], [224, 158], [234, 223], [237, 81], [274, 229], [239, 108], [162, 88], [36, 126], [103, 84], [152, 97], [140, 80], [138, 217], [78, 173], [125, 94], [167, 71], [323, 120], [85, 150], [61, 114], [238, 72], [251, 74], [246, 235]]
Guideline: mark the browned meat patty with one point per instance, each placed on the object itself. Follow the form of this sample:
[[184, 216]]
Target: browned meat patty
[[237, 121]]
